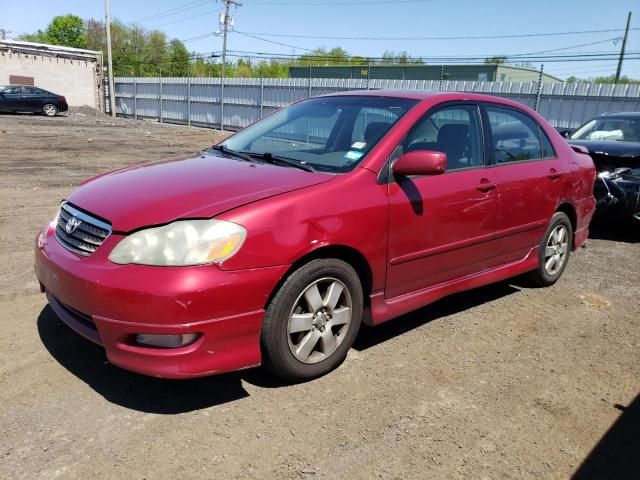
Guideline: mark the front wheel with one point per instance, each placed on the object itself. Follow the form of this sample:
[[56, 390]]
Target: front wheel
[[554, 251], [312, 320], [50, 110]]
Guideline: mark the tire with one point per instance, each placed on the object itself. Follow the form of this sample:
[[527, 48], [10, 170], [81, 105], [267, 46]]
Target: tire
[[50, 110], [554, 251], [304, 334]]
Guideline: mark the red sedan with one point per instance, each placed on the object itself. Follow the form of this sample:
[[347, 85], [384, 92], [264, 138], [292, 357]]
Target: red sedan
[[274, 246]]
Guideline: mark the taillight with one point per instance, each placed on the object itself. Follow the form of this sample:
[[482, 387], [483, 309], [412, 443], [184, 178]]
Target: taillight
[[62, 99]]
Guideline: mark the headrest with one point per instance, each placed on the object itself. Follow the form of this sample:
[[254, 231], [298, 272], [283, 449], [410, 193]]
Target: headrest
[[375, 131], [510, 131], [453, 131]]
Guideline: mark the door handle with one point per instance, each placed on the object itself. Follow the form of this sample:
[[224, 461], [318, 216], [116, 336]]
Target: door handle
[[553, 174], [485, 185]]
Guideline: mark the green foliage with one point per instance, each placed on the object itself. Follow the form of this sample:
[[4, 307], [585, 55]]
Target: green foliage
[[495, 60], [399, 58], [608, 79], [612, 78], [179, 59], [66, 30], [37, 37]]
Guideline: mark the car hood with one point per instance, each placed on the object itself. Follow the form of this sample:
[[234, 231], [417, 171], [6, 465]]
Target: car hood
[[198, 187], [616, 149]]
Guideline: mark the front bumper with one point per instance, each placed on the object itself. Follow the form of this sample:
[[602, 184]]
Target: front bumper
[[109, 304]]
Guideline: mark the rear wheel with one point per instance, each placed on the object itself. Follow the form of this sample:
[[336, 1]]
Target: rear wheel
[[50, 110], [554, 251], [312, 320]]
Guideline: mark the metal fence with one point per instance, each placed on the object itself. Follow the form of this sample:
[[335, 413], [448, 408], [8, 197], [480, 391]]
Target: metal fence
[[196, 101]]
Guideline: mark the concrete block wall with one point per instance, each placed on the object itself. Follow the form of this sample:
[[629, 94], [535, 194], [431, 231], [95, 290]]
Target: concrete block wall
[[75, 79]]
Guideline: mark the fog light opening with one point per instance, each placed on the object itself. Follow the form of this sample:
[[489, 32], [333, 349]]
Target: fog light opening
[[166, 341]]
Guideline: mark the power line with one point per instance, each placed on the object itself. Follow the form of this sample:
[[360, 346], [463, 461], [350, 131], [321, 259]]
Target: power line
[[330, 4], [511, 56], [467, 37], [571, 47], [200, 15], [273, 41], [439, 60], [171, 11]]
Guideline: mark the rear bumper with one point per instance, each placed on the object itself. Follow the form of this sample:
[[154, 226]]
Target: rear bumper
[[63, 107], [109, 304]]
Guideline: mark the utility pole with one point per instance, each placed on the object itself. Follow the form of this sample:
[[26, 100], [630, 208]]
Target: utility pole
[[225, 28], [624, 45], [112, 90], [539, 91]]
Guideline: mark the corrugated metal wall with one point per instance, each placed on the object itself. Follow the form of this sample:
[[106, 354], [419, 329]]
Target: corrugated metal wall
[[196, 101]]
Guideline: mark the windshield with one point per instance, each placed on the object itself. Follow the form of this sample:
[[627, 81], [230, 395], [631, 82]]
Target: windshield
[[330, 134], [609, 128]]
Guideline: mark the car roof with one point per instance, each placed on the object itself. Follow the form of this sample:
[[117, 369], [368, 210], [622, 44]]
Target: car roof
[[428, 95], [621, 115]]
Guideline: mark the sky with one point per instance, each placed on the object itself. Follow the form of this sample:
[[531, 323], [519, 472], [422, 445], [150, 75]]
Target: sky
[[288, 19]]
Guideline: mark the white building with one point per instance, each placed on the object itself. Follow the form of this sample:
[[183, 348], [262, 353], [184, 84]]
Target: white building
[[72, 72]]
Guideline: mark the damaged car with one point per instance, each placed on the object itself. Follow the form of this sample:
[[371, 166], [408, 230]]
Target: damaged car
[[613, 141]]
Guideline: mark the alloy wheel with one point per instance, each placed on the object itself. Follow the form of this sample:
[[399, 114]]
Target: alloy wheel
[[556, 250], [50, 110], [319, 320]]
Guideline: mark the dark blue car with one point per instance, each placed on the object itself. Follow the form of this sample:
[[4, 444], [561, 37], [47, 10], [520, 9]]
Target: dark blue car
[[24, 98]]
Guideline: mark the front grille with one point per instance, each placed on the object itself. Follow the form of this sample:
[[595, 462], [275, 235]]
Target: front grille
[[85, 233]]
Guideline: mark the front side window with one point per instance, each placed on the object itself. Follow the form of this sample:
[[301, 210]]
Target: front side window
[[515, 136], [11, 90], [611, 129], [452, 130], [331, 134]]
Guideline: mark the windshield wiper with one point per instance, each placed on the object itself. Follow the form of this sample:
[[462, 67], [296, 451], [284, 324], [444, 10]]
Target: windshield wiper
[[275, 159], [232, 153]]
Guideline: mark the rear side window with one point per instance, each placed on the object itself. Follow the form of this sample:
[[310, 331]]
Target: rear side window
[[515, 136], [547, 148]]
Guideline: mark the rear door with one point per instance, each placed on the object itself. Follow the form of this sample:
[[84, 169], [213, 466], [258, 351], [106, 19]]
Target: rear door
[[441, 227], [529, 177], [33, 98]]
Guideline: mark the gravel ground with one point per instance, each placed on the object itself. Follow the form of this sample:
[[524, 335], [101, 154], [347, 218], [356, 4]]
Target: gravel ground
[[500, 382]]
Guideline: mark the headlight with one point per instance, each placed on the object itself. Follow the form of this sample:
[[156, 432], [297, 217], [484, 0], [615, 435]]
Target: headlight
[[182, 243]]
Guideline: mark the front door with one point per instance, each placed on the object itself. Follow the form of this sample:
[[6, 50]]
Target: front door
[[441, 227], [10, 97]]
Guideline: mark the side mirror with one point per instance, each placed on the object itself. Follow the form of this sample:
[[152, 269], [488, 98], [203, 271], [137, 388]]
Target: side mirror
[[421, 162]]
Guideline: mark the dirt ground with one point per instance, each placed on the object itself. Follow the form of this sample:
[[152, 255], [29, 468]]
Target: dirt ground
[[501, 382]]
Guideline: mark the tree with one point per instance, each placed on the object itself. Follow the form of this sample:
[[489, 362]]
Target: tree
[[612, 78], [179, 59], [95, 35], [496, 60], [67, 30], [37, 37]]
